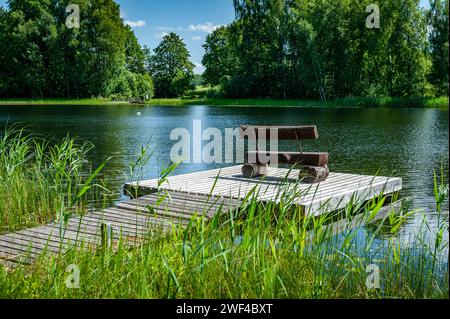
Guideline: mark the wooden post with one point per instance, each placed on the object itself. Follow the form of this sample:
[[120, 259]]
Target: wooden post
[[254, 170], [314, 174]]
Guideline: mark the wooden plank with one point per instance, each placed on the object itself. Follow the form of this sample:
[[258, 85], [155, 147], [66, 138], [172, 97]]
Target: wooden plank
[[284, 132], [342, 199], [119, 216], [8, 264], [12, 249], [22, 241], [121, 229], [174, 204], [291, 158], [347, 224], [164, 213], [69, 237], [45, 234]]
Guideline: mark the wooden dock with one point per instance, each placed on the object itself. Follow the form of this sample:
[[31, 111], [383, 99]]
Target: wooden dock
[[179, 199], [334, 193]]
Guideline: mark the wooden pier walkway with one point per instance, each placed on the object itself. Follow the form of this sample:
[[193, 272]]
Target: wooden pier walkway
[[181, 198], [334, 193]]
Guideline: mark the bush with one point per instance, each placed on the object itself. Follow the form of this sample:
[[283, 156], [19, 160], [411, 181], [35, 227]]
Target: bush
[[129, 85], [145, 89]]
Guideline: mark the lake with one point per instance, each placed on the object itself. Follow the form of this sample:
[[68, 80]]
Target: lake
[[408, 143]]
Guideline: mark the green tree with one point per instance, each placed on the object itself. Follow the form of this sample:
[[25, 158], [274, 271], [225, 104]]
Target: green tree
[[406, 59], [170, 67], [134, 53], [44, 58], [102, 46], [439, 23], [144, 87], [28, 35], [220, 58], [260, 46]]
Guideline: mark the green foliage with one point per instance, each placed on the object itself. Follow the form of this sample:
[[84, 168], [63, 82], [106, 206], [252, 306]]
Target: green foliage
[[131, 85], [170, 67], [44, 58], [323, 50], [134, 53], [219, 59], [282, 49], [198, 80], [438, 17]]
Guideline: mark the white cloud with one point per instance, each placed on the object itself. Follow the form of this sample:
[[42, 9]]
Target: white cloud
[[199, 68], [206, 28], [164, 29], [197, 38], [160, 35], [135, 24]]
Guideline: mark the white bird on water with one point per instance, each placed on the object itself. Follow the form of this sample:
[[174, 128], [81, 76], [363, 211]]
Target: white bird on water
[[139, 113]]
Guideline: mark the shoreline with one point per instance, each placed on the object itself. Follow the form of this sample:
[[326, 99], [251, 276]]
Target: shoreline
[[384, 102]]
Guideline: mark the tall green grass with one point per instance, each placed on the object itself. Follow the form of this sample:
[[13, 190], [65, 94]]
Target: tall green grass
[[259, 250], [41, 180]]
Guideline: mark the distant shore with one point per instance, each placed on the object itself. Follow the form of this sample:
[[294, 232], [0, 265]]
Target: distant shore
[[440, 102]]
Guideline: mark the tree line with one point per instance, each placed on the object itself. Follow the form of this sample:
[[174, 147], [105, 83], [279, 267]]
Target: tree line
[[319, 49], [324, 49], [42, 57]]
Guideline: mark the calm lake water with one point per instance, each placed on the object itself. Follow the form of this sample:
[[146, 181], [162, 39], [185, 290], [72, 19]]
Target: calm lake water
[[409, 143]]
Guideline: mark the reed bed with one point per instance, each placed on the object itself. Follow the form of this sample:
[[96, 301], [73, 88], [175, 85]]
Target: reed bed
[[43, 180]]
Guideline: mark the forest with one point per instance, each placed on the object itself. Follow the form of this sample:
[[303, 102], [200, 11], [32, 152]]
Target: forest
[[280, 49]]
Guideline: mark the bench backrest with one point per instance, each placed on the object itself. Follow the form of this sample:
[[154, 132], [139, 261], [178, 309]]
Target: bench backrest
[[284, 132]]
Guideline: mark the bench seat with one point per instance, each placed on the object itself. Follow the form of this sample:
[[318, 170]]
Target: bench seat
[[291, 158]]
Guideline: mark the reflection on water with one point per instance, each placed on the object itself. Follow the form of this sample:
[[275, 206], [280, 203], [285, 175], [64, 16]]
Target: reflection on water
[[409, 143]]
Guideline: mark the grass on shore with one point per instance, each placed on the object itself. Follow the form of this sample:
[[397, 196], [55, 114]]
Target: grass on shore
[[389, 102], [37, 178], [65, 102], [257, 251]]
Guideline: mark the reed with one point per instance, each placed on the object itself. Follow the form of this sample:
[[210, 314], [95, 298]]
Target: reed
[[258, 251], [43, 180]]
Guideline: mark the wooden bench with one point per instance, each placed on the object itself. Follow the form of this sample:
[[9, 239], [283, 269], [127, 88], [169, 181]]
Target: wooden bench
[[313, 166]]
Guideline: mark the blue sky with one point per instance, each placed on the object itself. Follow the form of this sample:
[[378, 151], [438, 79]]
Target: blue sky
[[192, 19]]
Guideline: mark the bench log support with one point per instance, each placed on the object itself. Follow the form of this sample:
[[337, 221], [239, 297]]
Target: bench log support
[[254, 170], [313, 166], [314, 174]]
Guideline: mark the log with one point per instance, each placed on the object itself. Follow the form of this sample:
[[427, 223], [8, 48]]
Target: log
[[314, 174], [254, 170], [284, 132], [291, 158]]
